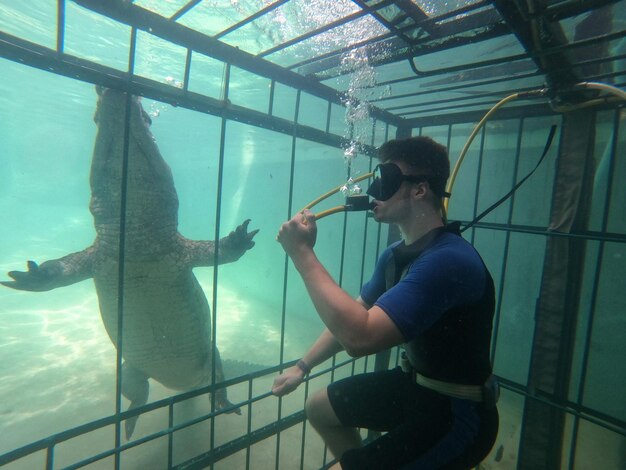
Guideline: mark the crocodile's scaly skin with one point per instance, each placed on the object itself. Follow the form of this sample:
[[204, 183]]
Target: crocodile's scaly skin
[[166, 317]]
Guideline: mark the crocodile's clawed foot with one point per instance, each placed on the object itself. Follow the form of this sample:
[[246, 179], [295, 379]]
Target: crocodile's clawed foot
[[242, 237], [36, 279], [228, 407], [237, 242]]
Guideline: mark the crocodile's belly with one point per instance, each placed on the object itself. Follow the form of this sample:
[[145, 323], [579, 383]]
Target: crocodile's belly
[[166, 321]]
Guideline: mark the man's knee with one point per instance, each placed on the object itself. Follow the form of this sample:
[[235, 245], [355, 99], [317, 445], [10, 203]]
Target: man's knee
[[319, 411], [313, 405]]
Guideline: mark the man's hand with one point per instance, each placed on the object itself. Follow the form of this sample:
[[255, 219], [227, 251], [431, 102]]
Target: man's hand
[[288, 381], [298, 233]]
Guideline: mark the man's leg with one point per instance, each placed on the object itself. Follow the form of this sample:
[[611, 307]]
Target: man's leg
[[322, 417]]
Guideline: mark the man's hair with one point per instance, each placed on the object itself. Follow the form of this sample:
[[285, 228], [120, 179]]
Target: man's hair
[[423, 155]]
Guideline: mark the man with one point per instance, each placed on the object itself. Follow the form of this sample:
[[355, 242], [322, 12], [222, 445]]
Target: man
[[430, 291]]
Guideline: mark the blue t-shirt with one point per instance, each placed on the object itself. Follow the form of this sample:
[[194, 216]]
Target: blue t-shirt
[[449, 273]]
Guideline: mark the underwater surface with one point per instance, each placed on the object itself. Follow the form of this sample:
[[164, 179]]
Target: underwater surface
[[58, 365]]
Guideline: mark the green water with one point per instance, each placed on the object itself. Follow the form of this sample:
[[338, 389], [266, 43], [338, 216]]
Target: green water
[[58, 366]]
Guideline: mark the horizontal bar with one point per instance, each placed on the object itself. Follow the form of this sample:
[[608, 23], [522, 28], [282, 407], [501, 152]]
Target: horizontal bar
[[484, 107], [514, 112], [184, 10], [510, 77], [234, 446], [503, 60], [608, 237], [34, 55], [408, 52], [472, 117], [469, 117], [166, 402], [600, 419], [307, 66], [574, 8], [243, 442], [456, 99], [145, 20], [251, 18], [159, 434], [327, 27]]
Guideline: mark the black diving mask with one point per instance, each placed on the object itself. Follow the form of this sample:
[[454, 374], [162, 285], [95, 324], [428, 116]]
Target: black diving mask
[[388, 178]]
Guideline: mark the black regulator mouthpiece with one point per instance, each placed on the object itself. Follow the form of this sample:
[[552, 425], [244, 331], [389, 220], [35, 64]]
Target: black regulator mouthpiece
[[358, 203]]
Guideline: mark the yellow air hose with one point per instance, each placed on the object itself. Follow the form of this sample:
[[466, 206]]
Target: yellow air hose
[[603, 87], [452, 178], [529, 94], [330, 211], [478, 127], [539, 92], [333, 210], [619, 95]]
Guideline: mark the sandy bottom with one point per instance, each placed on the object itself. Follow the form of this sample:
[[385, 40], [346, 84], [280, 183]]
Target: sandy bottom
[[58, 372]]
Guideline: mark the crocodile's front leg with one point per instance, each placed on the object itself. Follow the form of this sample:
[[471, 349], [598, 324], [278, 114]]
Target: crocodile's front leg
[[51, 274], [231, 247]]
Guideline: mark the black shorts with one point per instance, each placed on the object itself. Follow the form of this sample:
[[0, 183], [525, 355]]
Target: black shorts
[[423, 429]]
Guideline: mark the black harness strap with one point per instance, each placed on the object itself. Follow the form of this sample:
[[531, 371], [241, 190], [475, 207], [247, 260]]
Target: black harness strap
[[510, 193]]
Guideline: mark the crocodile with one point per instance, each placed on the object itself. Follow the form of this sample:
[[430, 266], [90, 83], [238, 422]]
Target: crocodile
[[166, 332]]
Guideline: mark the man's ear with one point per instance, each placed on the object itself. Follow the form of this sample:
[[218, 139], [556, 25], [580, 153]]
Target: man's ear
[[420, 189]]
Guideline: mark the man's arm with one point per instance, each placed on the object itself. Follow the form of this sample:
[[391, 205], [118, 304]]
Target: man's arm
[[359, 330], [325, 347]]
